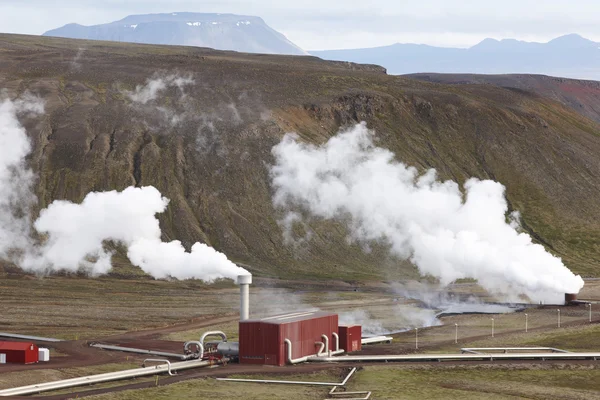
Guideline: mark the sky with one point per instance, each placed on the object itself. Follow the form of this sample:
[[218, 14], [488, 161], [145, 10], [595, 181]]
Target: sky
[[339, 24]]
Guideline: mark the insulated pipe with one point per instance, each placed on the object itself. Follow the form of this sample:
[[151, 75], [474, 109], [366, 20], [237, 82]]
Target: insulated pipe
[[337, 346], [462, 357], [213, 333], [160, 361], [337, 341], [139, 351], [321, 349], [107, 377], [289, 354], [189, 353], [326, 341], [244, 281], [343, 383]]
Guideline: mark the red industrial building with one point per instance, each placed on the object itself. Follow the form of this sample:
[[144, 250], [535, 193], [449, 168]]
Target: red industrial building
[[350, 338], [262, 341], [19, 352]]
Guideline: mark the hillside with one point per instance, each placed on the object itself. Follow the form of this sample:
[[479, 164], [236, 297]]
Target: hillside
[[207, 149], [582, 96], [570, 56], [218, 31]]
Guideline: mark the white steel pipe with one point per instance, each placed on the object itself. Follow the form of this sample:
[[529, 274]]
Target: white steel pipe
[[158, 360], [107, 377], [478, 350], [222, 335], [337, 340], [337, 345], [462, 357], [289, 354], [199, 348], [376, 339], [326, 341], [244, 281], [343, 383], [28, 337], [138, 351]]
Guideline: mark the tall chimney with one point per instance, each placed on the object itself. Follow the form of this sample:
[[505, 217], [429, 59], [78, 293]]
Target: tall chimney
[[244, 281]]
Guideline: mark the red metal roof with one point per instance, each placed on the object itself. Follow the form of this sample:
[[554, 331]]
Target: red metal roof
[[15, 345], [292, 317]]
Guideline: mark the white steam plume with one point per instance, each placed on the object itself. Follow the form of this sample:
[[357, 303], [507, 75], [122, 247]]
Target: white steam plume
[[76, 234], [149, 91], [446, 233], [16, 180]]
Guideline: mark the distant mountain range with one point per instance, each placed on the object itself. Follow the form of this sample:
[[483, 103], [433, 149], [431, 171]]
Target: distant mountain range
[[218, 31], [570, 56]]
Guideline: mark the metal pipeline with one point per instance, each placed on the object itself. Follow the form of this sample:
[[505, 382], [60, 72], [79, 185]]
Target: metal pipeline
[[321, 349], [158, 360], [138, 351], [108, 377], [337, 346], [190, 354], [289, 354], [213, 333], [461, 357], [326, 341], [343, 383]]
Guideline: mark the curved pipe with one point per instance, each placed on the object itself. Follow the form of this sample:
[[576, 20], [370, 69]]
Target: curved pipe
[[326, 341], [159, 361], [289, 354], [337, 345], [321, 350], [337, 341], [213, 333], [107, 377], [189, 353]]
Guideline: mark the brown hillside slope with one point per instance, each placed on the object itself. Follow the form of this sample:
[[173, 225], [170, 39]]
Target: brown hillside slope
[[581, 95], [212, 163]]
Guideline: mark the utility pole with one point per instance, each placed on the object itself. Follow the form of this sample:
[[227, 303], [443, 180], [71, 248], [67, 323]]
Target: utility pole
[[417, 338], [455, 333]]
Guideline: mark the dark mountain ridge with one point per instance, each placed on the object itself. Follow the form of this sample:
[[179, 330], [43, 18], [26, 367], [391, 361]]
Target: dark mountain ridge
[[212, 160]]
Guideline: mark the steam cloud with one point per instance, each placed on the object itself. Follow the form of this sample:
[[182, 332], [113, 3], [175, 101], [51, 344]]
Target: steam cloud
[[148, 92], [16, 180], [421, 218], [75, 234]]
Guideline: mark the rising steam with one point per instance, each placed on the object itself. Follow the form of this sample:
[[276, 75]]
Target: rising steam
[[445, 232], [16, 180], [74, 236]]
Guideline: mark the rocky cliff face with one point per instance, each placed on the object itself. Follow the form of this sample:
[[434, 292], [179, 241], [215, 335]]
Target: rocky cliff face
[[207, 145]]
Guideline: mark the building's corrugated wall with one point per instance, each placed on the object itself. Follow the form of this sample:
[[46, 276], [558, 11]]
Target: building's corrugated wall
[[263, 342]]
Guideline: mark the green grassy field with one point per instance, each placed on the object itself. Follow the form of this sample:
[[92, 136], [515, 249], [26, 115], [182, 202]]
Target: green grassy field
[[404, 382]]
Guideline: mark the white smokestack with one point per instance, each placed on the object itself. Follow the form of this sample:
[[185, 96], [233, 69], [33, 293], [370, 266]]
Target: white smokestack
[[445, 233], [244, 281]]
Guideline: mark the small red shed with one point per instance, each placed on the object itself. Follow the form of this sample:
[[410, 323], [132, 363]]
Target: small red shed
[[19, 352], [350, 337], [262, 341]]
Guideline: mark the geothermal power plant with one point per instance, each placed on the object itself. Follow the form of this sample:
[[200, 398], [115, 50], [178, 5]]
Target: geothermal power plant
[[276, 340]]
